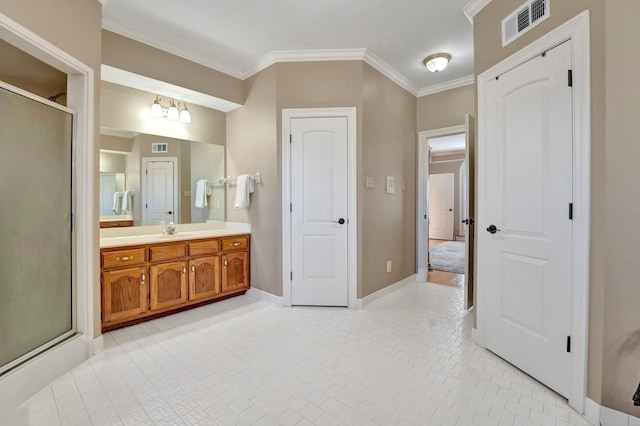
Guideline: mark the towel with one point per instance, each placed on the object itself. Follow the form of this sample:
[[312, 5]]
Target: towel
[[117, 202], [127, 203], [201, 193], [244, 187]]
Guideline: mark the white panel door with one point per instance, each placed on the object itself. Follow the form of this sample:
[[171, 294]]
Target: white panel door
[[160, 201], [319, 208], [441, 206], [528, 191], [107, 189]]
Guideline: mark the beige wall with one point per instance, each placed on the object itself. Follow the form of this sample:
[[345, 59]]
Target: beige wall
[[124, 108], [252, 147], [445, 109], [73, 26], [488, 52], [112, 163], [621, 371], [388, 149], [450, 164], [129, 55]]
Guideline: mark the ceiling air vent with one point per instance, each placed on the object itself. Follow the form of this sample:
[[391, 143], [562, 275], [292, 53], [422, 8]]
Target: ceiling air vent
[[523, 19], [158, 148]]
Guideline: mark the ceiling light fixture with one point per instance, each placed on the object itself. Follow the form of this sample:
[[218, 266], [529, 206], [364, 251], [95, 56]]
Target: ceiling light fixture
[[437, 62], [172, 112]]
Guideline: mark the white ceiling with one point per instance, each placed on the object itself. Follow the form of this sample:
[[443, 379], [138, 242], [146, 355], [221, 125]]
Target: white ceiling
[[447, 143], [241, 37]]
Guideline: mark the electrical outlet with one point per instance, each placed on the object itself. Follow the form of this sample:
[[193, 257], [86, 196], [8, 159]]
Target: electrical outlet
[[389, 266]]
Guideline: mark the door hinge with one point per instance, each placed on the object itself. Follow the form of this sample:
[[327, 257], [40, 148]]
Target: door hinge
[[148, 304], [146, 172], [146, 206], [571, 211], [570, 75], [291, 275], [71, 221], [290, 138], [291, 207], [425, 216], [568, 343], [101, 279], [101, 316]]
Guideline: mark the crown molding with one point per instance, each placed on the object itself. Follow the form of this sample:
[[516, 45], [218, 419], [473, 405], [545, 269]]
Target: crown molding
[[136, 34], [304, 56], [393, 75], [473, 7], [448, 85]]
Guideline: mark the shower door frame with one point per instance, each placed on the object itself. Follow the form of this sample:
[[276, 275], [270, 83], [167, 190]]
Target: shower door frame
[[72, 234]]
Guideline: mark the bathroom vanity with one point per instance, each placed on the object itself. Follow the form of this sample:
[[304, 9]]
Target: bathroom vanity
[[145, 274]]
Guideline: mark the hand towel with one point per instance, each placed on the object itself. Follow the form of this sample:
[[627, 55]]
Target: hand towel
[[127, 203], [201, 193], [244, 187], [117, 202]]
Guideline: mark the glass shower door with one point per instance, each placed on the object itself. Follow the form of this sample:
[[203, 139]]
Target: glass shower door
[[37, 308]]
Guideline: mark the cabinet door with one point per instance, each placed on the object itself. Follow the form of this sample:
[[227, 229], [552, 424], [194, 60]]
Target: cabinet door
[[235, 271], [124, 294], [204, 278], [168, 285]]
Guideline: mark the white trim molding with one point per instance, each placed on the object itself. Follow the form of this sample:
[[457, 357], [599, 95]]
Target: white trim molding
[[605, 416], [577, 30], [352, 207], [384, 292], [474, 7], [448, 85], [31, 376], [272, 299], [393, 75]]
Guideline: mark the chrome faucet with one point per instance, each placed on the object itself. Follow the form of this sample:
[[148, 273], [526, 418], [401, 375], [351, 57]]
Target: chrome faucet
[[169, 229]]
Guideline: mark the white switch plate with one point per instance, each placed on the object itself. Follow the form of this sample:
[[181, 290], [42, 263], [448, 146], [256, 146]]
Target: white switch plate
[[390, 185], [389, 266], [370, 182]]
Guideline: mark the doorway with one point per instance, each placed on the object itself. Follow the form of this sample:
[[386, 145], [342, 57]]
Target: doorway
[[319, 207], [160, 201]]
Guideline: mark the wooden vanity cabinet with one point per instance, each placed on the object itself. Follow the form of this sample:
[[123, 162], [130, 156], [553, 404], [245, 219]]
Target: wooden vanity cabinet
[[146, 281], [124, 294]]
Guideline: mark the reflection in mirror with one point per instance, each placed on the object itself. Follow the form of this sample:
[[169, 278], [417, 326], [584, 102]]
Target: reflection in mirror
[[148, 179]]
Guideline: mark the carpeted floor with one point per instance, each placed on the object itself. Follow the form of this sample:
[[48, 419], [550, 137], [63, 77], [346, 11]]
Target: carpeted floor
[[447, 256]]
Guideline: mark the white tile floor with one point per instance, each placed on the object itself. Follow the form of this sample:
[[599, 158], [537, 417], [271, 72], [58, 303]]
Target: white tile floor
[[407, 359]]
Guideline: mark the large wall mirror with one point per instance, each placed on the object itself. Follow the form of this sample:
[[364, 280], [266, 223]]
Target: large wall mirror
[[150, 167]]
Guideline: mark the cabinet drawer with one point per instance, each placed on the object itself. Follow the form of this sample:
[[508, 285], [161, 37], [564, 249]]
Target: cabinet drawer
[[204, 247], [117, 224], [236, 243], [122, 257], [173, 251]]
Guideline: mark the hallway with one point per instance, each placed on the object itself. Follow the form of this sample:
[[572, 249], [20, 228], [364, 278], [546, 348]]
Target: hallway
[[406, 359]]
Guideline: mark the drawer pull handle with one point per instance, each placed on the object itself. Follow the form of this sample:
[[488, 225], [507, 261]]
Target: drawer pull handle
[[184, 270], [142, 278], [193, 268], [124, 258], [225, 262], [235, 244]]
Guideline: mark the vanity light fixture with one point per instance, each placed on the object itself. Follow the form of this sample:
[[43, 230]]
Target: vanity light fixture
[[437, 62], [172, 112]]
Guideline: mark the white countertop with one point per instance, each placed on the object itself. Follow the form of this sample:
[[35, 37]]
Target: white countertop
[[116, 218], [117, 237]]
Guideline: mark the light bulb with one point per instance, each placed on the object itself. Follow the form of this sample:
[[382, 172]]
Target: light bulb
[[172, 113], [156, 108], [185, 115]]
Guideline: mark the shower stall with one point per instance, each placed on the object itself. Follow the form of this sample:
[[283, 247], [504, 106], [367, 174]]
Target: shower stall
[[37, 284]]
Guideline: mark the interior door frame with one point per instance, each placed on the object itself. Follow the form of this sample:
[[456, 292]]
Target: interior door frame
[[35, 373], [352, 212], [422, 206], [577, 30], [176, 186]]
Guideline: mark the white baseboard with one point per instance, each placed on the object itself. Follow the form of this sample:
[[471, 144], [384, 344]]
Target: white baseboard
[[256, 293], [605, 416], [421, 277], [96, 345], [367, 300], [592, 411], [24, 381]]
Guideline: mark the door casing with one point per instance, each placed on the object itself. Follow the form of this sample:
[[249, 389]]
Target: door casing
[[577, 30], [352, 242]]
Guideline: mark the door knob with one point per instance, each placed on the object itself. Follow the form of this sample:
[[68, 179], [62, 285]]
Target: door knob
[[169, 213], [492, 229], [340, 221]]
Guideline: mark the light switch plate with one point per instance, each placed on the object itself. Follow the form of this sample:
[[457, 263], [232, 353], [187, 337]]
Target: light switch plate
[[370, 182], [390, 185]]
